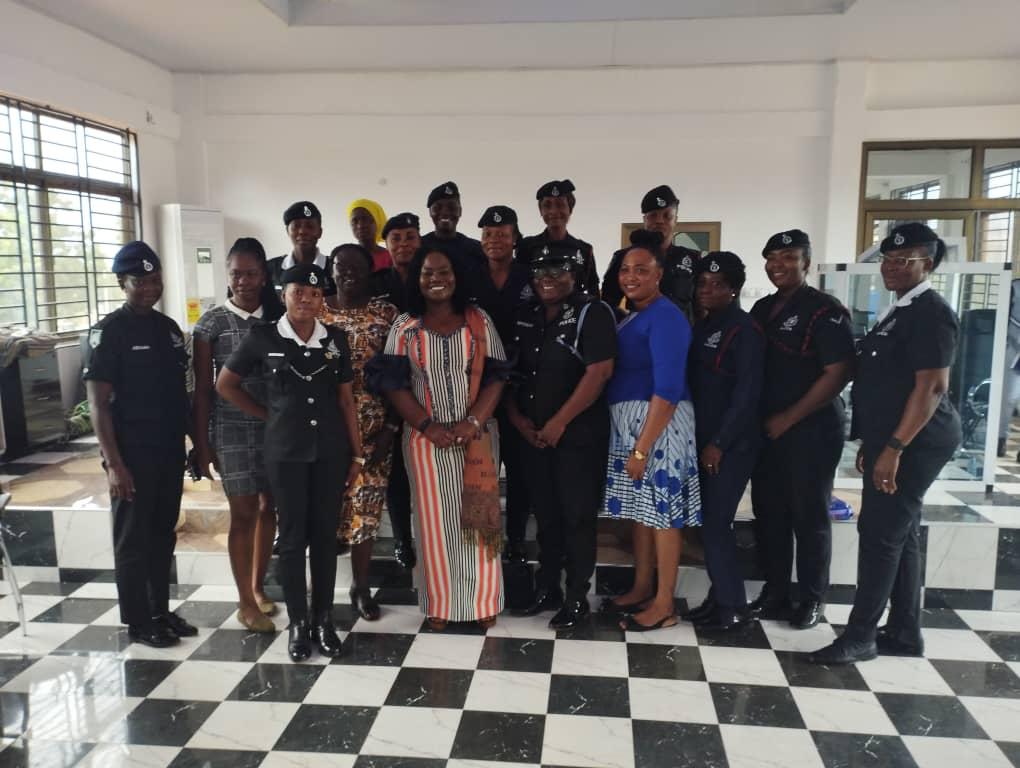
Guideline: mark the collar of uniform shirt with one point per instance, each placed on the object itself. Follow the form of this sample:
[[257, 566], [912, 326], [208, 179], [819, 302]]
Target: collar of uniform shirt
[[231, 306], [287, 331], [320, 260], [906, 300]]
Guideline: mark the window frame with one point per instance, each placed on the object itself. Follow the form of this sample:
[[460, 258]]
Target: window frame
[[34, 188]]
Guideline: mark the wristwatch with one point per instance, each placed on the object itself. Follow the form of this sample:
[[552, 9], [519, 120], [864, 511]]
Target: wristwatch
[[358, 460], [639, 455], [474, 423], [895, 444]]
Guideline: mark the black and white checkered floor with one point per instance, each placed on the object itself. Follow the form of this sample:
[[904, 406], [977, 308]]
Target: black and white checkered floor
[[75, 692]]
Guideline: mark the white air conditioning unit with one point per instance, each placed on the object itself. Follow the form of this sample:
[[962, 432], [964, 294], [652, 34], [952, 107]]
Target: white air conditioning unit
[[194, 261]]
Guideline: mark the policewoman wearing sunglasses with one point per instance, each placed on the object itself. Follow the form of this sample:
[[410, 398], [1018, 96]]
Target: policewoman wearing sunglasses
[[908, 430], [726, 366], [566, 345], [312, 445]]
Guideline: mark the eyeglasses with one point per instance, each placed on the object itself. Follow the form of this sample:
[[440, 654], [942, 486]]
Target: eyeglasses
[[900, 261], [553, 272]]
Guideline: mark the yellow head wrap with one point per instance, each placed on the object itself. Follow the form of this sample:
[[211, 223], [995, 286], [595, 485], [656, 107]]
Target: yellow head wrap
[[375, 211]]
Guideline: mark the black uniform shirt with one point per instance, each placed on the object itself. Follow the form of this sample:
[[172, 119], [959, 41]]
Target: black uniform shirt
[[811, 331], [726, 368], [920, 336], [501, 303], [277, 266], [677, 282], [143, 356], [388, 285], [587, 281], [552, 361], [304, 422], [466, 248]]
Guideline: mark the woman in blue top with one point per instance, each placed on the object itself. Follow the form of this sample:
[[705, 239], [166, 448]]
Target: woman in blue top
[[652, 475]]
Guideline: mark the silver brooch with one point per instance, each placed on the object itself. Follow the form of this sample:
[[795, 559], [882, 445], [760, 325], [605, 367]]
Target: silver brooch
[[899, 239], [787, 239], [308, 212], [713, 267], [147, 265], [497, 218], [312, 279]]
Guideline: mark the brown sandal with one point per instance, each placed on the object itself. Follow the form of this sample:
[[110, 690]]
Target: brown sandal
[[487, 623], [437, 625]]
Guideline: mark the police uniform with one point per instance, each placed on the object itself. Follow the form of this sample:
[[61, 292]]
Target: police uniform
[[501, 303], [528, 247], [792, 485], [143, 356], [307, 450], [277, 266], [467, 249], [565, 482], [725, 371], [919, 332], [677, 283], [387, 284]]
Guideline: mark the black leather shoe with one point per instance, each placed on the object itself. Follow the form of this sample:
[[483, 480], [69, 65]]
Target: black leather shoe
[[572, 612], [807, 615], [325, 637], [706, 609], [516, 552], [152, 635], [403, 551], [889, 645], [299, 641], [722, 620], [545, 600], [177, 626], [769, 606], [844, 651]]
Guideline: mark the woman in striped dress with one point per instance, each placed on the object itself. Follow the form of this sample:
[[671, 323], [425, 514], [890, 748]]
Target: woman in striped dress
[[443, 370], [652, 473]]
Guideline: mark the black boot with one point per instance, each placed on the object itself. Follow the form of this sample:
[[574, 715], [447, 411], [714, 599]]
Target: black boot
[[325, 637], [545, 600], [403, 551], [299, 641], [572, 612]]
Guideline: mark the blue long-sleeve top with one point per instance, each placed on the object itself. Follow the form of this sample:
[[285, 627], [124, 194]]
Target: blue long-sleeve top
[[652, 358]]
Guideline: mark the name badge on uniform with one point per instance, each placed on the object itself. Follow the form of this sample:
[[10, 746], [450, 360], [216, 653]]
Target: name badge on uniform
[[140, 347], [789, 323], [712, 342], [275, 354]]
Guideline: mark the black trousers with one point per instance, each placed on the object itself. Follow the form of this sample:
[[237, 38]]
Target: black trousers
[[889, 553], [720, 497], [308, 497], [511, 453], [398, 495], [143, 530], [566, 485], [791, 490]]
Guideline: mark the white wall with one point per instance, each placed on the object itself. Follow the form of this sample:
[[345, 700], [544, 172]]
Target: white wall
[[45, 61]]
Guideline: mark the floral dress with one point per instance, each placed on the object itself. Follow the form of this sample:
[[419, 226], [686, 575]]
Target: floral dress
[[367, 329]]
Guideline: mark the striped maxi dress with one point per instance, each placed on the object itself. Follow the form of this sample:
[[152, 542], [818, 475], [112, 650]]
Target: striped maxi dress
[[456, 580]]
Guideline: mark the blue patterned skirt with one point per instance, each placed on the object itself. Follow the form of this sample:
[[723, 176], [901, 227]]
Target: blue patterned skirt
[[668, 496]]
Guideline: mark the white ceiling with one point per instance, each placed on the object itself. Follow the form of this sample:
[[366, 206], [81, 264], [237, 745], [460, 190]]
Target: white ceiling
[[226, 36]]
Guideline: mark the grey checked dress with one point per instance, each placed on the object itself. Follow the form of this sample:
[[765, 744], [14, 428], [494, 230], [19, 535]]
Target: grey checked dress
[[236, 437]]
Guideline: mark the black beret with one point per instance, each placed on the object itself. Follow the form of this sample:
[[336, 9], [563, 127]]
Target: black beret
[[791, 238], [302, 209], [446, 191], [726, 263], [400, 221], [555, 254], [657, 199], [305, 274], [497, 216], [555, 189], [135, 258], [909, 236]]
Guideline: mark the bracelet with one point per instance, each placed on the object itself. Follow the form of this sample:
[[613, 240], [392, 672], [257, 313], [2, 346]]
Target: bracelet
[[639, 455], [358, 460], [425, 424], [474, 423]]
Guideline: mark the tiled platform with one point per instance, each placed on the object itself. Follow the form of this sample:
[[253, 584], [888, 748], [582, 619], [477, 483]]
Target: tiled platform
[[76, 693]]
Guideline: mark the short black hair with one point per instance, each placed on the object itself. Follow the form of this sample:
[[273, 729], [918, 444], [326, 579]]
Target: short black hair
[[355, 247], [416, 299], [647, 240]]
